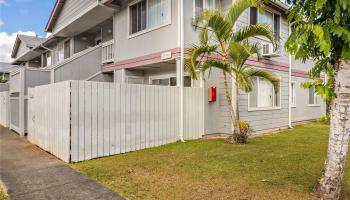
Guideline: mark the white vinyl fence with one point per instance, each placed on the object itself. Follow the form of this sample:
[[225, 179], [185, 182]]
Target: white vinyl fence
[[4, 109], [80, 120]]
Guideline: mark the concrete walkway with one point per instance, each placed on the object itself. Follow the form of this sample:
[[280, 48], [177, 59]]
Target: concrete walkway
[[28, 172]]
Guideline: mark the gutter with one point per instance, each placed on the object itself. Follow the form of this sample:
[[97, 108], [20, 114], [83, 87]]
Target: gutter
[[290, 83]]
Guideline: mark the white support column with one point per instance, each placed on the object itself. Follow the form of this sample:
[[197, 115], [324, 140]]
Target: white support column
[[180, 67], [119, 76], [21, 102], [180, 84]]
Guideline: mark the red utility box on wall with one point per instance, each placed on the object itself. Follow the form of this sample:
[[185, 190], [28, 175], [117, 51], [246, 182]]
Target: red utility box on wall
[[212, 94]]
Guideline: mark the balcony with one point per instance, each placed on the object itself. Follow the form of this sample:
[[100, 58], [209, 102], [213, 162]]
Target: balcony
[[108, 52]]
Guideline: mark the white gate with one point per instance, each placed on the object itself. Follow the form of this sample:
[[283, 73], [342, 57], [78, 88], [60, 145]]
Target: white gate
[[80, 120], [4, 109]]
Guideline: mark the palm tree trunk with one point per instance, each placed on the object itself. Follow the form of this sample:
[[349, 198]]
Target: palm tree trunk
[[229, 100], [330, 183], [237, 102]]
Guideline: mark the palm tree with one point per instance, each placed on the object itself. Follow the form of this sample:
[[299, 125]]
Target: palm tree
[[224, 48]]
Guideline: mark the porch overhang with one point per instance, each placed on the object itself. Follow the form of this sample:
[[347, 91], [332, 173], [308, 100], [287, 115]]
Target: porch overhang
[[30, 55], [87, 19], [143, 60]]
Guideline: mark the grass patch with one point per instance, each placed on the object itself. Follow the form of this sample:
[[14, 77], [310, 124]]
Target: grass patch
[[280, 166]]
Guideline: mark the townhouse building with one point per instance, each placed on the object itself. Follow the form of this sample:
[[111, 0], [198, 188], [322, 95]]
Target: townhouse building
[[145, 41]]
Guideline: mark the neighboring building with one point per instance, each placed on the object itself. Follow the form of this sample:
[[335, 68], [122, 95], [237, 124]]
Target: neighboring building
[[5, 69], [140, 42]]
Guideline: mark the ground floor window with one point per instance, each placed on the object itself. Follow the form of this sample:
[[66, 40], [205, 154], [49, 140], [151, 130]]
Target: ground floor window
[[263, 95], [313, 98], [169, 81]]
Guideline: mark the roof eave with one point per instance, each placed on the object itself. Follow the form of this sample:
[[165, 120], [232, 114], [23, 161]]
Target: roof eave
[[54, 15]]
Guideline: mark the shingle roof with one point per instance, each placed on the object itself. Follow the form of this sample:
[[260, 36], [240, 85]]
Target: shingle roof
[[6, 67], [29, 41]]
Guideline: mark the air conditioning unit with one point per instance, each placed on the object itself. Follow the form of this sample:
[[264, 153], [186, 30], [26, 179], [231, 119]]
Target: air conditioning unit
[[269, 51]]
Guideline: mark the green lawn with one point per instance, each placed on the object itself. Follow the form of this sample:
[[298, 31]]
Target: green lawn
[[280, 166]]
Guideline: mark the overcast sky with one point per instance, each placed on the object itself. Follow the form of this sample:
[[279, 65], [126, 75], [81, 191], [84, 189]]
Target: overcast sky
[[27, 17]]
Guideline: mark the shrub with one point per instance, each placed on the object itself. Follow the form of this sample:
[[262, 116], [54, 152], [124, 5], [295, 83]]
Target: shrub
[[242, 137], [324, 119]]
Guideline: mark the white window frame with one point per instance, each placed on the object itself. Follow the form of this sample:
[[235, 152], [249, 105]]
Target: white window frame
[[135, 77], [205, 7], [51, 58], [132, 35], [166, 76], [316, 100], [251, 109], [273, 19], [293, 93]]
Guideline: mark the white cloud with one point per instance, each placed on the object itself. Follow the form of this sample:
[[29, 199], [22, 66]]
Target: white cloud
[[48, 35], [2, 1], [6, 43]]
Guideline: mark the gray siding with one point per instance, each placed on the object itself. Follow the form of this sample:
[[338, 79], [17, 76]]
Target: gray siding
[[268, 119], [299, 65], [303, 111], [35, 78], [21, 49], [70, 10], [217, 117], [158, 40], [80, 67], [103, 78], [4, 87]]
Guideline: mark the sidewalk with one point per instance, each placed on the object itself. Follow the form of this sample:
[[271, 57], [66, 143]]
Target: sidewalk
[[28, 172]]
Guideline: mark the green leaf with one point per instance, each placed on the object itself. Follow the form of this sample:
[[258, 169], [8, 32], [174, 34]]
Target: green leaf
[[320, 4]]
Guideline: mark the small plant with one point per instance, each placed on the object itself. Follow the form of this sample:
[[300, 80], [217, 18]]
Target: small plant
[[242, 136], [324, 119]]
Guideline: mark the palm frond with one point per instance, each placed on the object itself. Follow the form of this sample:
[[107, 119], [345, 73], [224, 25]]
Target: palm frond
[[262, 30], [322, 65], [211, 63], [238, 7], [252, 72], [196, 54], [244, 81], [214, 20]]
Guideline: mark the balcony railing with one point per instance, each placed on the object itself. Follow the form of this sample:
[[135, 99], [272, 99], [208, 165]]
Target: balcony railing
[[107, 52]]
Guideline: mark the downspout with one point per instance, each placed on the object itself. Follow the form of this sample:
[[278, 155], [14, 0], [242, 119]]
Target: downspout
[[290, 85], [182, 59]]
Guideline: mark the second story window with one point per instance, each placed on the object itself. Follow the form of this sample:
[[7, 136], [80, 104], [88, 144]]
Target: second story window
[[47, 59], [148, 14], [267, 17], [201, 5]]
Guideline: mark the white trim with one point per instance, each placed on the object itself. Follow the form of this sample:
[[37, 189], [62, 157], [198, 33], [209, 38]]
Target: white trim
[[316, 100], [313, 105], [250, 109], [273, 20], [146, 30], [93, 76], [205, 6], [167, 76]]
